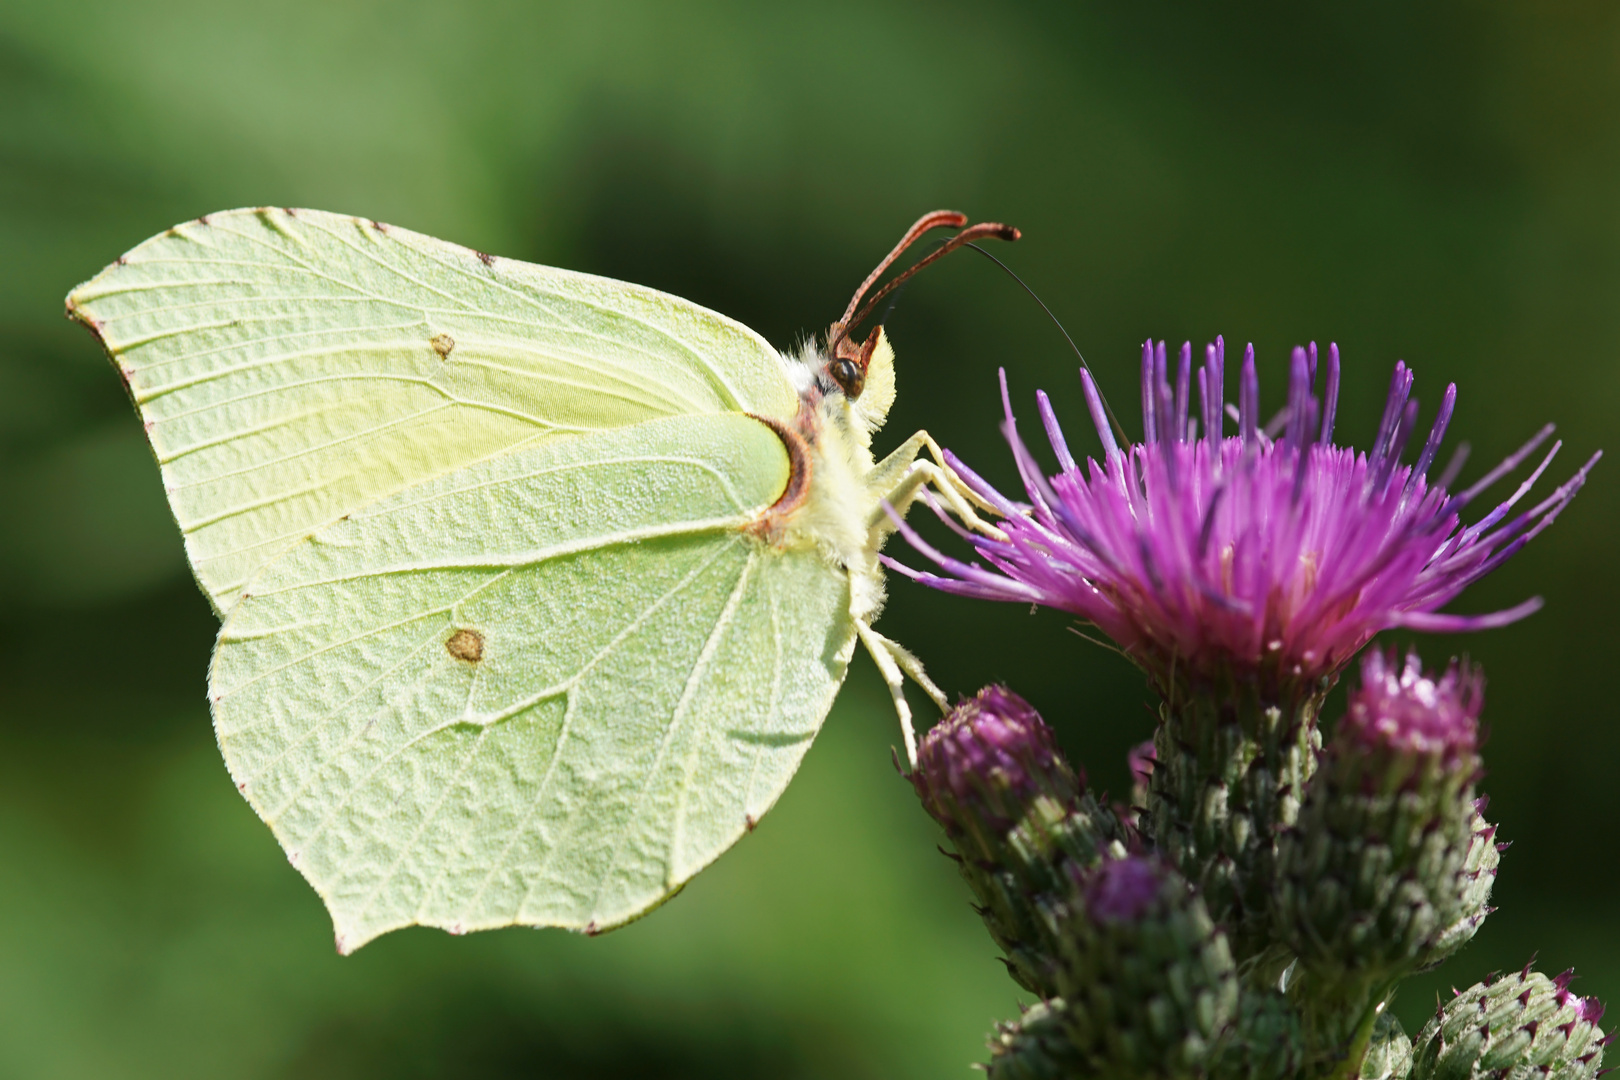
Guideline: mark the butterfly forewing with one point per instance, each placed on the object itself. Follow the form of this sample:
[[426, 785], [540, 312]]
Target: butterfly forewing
[[294, 366], [546, 689]]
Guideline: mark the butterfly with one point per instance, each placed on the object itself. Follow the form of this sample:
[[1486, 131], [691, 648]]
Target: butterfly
[[535, 586]]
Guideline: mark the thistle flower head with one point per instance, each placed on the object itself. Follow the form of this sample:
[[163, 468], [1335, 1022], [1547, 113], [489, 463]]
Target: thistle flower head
[[1410, 712], [1271, 551]]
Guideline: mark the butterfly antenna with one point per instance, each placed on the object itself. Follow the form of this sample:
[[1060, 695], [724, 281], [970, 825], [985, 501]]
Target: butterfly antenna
[[848, 359], [939, 219], [981, 231], [1124, 440]]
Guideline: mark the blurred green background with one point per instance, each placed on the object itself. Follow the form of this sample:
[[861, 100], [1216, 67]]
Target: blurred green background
[[1431, 182]]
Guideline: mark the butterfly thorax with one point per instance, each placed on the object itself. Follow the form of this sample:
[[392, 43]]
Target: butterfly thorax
[[838, 501]]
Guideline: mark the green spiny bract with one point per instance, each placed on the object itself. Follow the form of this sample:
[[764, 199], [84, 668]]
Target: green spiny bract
[[1265, 1043], [1147, 984], [1523, 1026], [1230, 768], [1035, 1047], [1477, 878], [1020, 820], [1389, 866]]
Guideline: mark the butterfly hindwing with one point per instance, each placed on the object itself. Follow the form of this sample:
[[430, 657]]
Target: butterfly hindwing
[[293, 366], [546, 689]]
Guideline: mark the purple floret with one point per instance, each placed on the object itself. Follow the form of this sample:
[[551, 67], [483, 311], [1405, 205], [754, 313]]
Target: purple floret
[[1270, 550], [1409, 712], [1120, 890]]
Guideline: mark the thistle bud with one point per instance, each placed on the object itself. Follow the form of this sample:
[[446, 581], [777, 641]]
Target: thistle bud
[[1020, 819], [980, 767], [1523, 1026], [1389, 866], [1148, 987]]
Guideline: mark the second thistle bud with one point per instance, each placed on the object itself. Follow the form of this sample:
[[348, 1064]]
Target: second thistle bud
[[1390, 864], [1020, 819]]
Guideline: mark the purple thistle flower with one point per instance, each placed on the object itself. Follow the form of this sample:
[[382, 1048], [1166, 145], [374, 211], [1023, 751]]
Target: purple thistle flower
[[1271, 550], [1411, 713]]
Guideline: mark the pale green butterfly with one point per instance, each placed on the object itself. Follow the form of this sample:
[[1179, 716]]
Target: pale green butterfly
[[535, 585]]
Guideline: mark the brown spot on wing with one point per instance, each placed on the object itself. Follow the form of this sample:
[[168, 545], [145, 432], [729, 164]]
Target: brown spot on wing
[[443, 344], [486, 259], [466, 645]]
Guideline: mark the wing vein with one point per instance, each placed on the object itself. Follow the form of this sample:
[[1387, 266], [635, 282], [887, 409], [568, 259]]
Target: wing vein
[[700, 668], [529, 558], [557, 752], [355, 436]]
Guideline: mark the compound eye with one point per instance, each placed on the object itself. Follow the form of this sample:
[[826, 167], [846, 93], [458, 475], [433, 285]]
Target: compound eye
[[847, 374]]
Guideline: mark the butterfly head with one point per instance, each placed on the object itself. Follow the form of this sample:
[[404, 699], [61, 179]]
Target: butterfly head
[[850, 364]]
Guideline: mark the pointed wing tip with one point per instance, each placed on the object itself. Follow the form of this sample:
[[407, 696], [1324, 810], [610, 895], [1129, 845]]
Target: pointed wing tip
[[74, 310]]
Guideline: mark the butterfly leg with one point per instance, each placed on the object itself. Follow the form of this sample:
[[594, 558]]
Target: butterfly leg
[[913, 485], [898, 479], [890, 670], [892, 468], [913, 667], [895, 662]]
